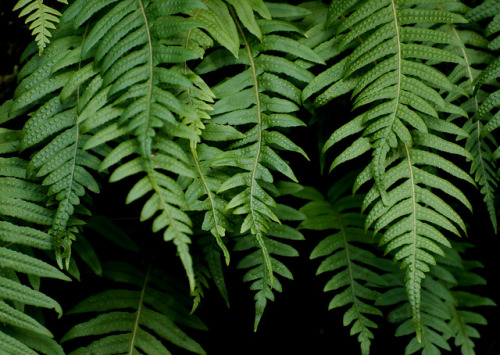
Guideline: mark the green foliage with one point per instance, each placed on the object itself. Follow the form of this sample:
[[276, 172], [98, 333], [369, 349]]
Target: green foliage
[[195, 111], [42, 19], [357, 269]]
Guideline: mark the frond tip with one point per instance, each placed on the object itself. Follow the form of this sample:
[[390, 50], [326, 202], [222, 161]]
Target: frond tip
[[41, 18]]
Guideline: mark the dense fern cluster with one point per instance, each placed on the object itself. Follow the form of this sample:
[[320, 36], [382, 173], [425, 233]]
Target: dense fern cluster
[[195, 108]]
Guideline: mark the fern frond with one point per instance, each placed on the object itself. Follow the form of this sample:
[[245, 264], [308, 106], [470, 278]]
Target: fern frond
[[480, 144], [448, 306], [464, 314], [434, 321], [356, 269], [402, 99], [274, 243], [136, 318], [263, 100], [42, 19], [22, 215], [54, 129], [143, 104]]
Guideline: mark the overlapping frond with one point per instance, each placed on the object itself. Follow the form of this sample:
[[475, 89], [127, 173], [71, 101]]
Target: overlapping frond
[[140, 316], [487, 115], [42, 19], [347, 252], [193, 104]]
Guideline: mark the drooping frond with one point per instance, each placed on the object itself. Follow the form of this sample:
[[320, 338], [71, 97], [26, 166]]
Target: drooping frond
[[435, 316], [466, 297], [54, 131], [42, 19], [140, 316], [209, 270], [275, 243], [346, 251], [400, 126], [487, 115], [479, 144], [22, 214], [449, 305], [257, 101], [140, 50]]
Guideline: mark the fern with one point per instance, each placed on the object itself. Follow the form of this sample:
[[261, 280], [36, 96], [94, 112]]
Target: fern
[[61, 161], [132, 319], [356, 269], [479, 143], [446, 317], [42, 19], [143, 94], [261, 100], [397, 129], [22, 210], [193, 112]]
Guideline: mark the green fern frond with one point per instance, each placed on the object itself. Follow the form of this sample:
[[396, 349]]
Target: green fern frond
[[356, 278], [256, 102], [143, 102], [274, 244], [433, 323], [209, 269], [136, 318], [464, 314], [42, 19], [448, 306], [22, 213], [402, 98], [479, 143], [54, 129]]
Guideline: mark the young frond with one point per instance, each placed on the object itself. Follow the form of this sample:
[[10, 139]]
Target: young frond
[[42, 19]]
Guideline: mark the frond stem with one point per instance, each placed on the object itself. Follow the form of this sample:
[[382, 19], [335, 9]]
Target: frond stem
[[414, 233], [146, 148], [259, 115], [139, 309], [259, 146]]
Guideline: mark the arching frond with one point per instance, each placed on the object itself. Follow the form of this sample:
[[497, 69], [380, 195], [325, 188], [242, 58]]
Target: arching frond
[[53, 133], [401, 126], [142, 96], [479, 143]]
